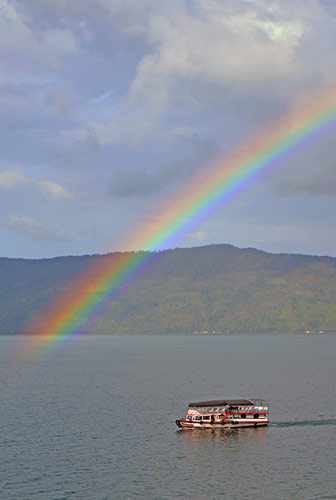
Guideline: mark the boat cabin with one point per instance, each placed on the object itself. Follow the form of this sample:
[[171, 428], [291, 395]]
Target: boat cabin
[[228, 412]]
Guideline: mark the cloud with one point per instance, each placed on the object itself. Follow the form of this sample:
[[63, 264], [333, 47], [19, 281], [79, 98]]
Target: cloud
[[246, 58], [237, 48], [311, 173], [26, 51], [63, 100], [142, 181], [32, 227], [55, 191], [184, 45], [122, 98], [156, 63], [200, 236], [11, 178]]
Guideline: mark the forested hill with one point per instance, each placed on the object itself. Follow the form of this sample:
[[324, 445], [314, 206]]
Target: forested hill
[[216, 288]]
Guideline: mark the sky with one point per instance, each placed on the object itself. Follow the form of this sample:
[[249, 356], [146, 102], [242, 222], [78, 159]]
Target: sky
[[110, 107]]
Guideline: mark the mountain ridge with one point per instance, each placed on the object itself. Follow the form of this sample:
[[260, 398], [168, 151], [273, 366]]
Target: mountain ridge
[[206, 288]]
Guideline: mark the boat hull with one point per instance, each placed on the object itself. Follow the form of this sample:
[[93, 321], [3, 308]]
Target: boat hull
[[234, 424]]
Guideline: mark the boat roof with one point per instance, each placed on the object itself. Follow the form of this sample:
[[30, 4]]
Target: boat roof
[[222, 402]]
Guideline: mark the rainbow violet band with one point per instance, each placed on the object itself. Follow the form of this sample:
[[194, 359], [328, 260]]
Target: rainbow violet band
[[221, 181]]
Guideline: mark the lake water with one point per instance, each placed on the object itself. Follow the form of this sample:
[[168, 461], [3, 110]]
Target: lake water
[[94, 419]]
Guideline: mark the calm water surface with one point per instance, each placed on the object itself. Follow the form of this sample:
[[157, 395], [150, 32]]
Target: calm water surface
[[94, 419]]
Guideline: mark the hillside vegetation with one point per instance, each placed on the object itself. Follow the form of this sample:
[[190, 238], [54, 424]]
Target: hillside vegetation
[[215, 288]]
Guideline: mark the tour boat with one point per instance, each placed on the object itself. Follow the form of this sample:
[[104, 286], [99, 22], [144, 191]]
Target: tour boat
[[225, 414]]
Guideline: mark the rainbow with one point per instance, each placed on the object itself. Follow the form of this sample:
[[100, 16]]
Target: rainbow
[[223, 180]]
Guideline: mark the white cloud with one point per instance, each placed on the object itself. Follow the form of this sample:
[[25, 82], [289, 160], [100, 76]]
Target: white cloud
[[11, 178], [55, 191], [223, 45], [32, 227], [237, 46], [187, 49], [199, 235], [23, 50]]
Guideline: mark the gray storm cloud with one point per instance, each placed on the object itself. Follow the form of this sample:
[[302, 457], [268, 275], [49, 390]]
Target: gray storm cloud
[[312, 173], [142, 181], [105, 96], [32, 227]]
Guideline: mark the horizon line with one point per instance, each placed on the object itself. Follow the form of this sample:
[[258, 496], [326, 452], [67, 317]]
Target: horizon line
[[168, 250]]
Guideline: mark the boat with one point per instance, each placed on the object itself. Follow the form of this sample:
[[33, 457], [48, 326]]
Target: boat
[[225, 414]]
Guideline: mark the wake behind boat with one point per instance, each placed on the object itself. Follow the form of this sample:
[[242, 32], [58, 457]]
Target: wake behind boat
[[227, 414]]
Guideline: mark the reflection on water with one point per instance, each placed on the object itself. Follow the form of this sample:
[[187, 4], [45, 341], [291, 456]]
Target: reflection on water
[[218, 445], [227, 441], [330, 421]]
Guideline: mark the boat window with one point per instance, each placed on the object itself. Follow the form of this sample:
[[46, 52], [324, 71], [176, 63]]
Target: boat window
[[203, 410], [243, 415], [256, 415]]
